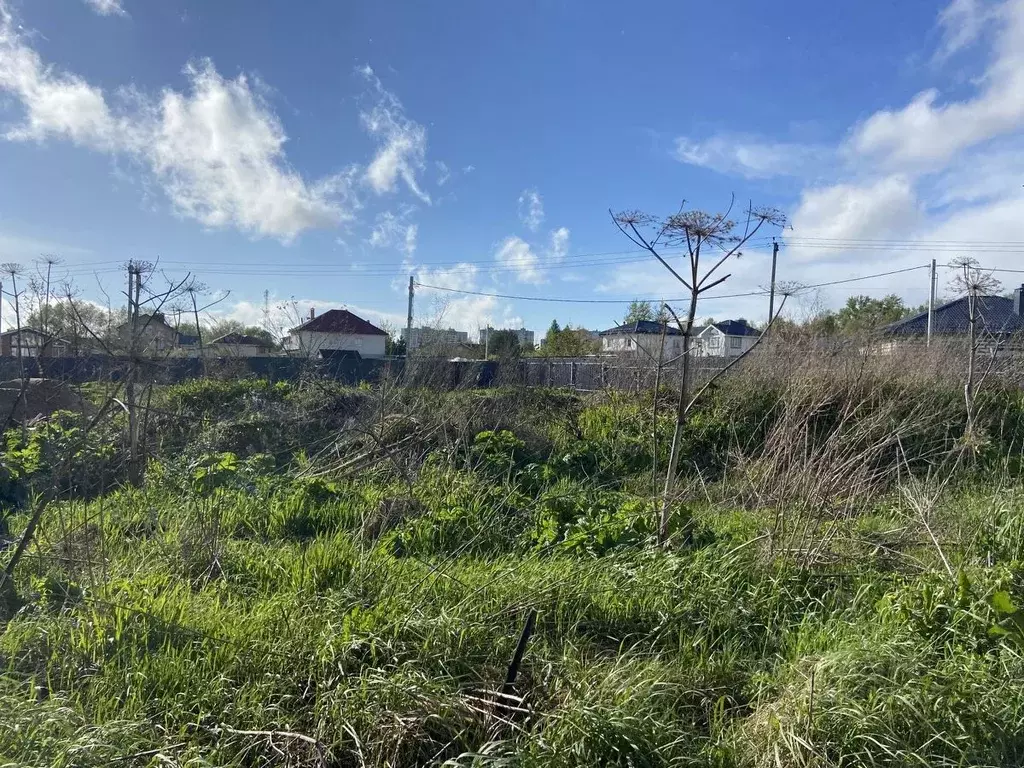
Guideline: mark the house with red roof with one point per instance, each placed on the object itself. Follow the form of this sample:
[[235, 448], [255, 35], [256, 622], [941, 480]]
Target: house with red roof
[[336, 333]]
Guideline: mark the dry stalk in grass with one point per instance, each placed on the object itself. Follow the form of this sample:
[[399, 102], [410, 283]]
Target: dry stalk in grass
[[837, 437]]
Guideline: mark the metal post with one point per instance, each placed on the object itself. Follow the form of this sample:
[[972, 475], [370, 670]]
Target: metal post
[[931, 303]]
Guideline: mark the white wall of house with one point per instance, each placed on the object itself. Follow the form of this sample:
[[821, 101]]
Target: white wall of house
[[636, 343], [311, 342], [711, 342], [236, 350]]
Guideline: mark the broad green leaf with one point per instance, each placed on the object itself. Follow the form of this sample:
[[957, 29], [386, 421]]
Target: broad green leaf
[[1003, 603]]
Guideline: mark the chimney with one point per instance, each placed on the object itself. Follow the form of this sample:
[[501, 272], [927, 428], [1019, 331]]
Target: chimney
[[312, 313], [1017, 295]]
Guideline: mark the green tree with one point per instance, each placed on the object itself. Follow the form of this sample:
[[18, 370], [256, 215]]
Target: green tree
[[863, 313], [77, 324], [504, 345], [551, 337], [638, 311], [567, 342]]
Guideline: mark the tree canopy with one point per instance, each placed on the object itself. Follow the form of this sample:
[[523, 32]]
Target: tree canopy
[[567, 342], [639, 311], [860, 314], [504, 344]]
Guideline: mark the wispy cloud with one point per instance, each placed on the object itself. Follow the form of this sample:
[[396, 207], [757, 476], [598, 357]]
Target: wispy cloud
[[531, 209], [107, 7], [559, 244], [747, 156], [962, 23], [402, 142], [528, 263], [443, 173], [516, 254], [392, 230]]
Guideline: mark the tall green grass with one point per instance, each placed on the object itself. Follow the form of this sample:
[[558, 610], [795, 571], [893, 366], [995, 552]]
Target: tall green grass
[[238, 611]]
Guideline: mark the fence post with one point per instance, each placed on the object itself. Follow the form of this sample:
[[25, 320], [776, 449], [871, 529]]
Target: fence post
[[572, 374]]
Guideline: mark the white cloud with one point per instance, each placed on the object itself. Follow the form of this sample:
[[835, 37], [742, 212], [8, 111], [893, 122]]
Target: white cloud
[[409, 246], [516, 254], [962, 23], [930, 180], [531, 209], [749, 157], [443, 173], [927, 133], [402, 142], [884, 208], [216, 151], [219, 154], [391, 230], [559, 244], [107, 7]]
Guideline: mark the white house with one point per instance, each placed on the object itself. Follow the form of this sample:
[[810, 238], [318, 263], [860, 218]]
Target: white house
[[726, 339], [238, 345], [640, 337], [336, 331]]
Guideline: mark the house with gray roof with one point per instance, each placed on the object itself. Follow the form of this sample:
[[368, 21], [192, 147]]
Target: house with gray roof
[[998, 316], [730, 338]]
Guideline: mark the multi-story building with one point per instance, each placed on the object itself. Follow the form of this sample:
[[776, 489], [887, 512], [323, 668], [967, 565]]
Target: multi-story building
[[433, 338], [525, 337]]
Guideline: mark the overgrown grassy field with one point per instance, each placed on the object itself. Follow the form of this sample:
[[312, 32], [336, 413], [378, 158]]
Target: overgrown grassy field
[[312, 576]]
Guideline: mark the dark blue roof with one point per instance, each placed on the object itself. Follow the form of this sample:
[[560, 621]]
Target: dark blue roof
[[642, 326], [736, 328], [187, 341], [952, 319]]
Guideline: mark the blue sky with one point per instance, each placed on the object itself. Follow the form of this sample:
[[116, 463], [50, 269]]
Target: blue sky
[[323, 151]]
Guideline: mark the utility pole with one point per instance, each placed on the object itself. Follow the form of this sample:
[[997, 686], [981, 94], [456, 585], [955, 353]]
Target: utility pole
[[408, 320], [771, 294], [931, 303]]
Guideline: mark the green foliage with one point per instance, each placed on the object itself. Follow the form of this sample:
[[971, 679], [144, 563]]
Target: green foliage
[[638, 311], [60, 453], [567, 342], [241, 593], [504, 345]]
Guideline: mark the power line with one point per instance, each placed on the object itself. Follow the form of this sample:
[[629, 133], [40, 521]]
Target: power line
[[627, 301]]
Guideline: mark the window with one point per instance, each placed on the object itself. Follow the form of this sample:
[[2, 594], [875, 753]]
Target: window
[[735, 342]]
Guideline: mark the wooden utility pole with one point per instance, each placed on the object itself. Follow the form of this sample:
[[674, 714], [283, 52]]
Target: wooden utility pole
[[771, 294]]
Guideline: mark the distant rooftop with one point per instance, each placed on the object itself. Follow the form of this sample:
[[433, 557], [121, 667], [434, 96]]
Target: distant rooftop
[[997, 315], [340, 321]]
